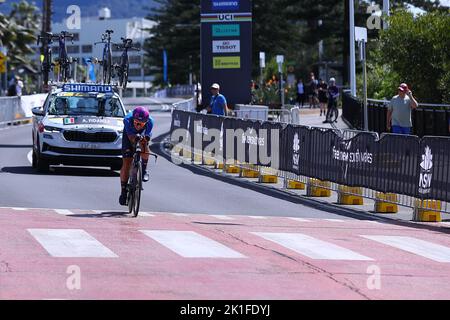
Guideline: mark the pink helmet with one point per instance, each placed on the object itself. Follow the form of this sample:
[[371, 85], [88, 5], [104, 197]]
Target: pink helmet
[[141, 114]]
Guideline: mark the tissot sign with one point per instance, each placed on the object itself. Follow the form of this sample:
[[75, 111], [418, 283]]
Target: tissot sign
[[226, 47]]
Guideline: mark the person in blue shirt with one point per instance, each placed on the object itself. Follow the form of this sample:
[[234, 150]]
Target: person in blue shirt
[[138, 126], [218, 105]]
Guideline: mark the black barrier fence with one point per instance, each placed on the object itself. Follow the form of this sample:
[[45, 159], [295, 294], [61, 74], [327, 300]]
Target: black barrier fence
[[426, 120], [401, 164]]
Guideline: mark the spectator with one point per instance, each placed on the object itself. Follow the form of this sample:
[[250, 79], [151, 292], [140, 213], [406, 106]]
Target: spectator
[[19, 87], [323, 88], [12, 87], [218, 105], [313, 91], [300, 93], [399, 111]]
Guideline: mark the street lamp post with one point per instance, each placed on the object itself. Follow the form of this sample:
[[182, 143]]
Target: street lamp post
[[352, 47], [280, 61]]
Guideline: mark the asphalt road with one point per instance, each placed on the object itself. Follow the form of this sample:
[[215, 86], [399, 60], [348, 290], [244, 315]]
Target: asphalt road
[[172, 188], [200, 236]]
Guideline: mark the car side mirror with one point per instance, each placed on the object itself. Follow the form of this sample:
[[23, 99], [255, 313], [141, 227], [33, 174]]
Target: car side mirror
[[38, 111]]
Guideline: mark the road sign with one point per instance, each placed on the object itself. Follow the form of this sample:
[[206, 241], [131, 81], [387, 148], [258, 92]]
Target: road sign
[[2, 63]]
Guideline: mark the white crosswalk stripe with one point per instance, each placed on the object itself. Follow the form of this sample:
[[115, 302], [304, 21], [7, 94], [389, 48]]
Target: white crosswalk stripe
[[419, 247], [190, 244], [221, 217], [71, 243], [64, 212], [299, 219], [311, 247]]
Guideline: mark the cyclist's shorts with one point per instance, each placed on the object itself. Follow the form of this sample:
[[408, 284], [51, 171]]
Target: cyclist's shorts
[[127, 147]]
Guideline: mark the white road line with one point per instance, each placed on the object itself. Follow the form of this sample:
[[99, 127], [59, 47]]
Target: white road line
[[30, 157], [146, 214], [20, 209], [447, 224], [419, 247], [71, 243], [189, 244], [334, 220], [64, 212], [299, 219], [257, 217], [179, 214], [311, 247], [221, 217]]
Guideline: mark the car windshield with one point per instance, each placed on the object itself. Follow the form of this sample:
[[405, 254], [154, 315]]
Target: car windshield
[[86, 105]]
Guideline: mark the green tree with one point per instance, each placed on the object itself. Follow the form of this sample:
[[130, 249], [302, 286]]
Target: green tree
[[416, 49], [178, 32], [17, 33]]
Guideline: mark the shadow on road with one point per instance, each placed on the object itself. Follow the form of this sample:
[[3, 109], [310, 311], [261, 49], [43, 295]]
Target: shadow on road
[[63, 171], [106, 214]]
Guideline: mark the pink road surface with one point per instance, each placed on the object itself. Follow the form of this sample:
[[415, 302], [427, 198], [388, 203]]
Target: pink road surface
[[146, 269]]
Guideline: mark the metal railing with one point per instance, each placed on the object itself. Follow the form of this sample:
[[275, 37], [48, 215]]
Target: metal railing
[[10, 110], [274, 115], [176, 91], [185, 105], [427, 119]]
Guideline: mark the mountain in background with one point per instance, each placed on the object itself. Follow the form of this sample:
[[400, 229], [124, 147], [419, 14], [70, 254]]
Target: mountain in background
[[89, 8]]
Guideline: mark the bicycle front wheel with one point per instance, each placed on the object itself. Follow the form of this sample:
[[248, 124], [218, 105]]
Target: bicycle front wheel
[[137, 191], [130, 198]]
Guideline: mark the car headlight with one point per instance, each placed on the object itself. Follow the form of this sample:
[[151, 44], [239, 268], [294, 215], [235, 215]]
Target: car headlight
[[52, 129]]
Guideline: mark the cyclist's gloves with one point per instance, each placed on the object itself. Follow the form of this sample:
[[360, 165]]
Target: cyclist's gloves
[[147, 138], [138, 137]]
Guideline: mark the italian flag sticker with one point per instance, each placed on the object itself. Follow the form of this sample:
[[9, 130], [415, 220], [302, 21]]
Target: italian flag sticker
[[69, 120]]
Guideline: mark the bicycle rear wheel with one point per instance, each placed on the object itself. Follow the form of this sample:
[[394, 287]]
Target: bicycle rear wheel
[[137, 190]]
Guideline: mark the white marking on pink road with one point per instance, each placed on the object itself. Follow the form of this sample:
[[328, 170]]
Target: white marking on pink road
[[300, 219], [71, 243], [419, 247], [221, 217], [334, 220], [189, 244], [64, 212], [311, 247]]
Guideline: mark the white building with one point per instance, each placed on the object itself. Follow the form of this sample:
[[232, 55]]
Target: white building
[[91, 30]]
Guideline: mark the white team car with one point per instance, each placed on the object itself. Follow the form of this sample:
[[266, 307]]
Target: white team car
[[80, 125]]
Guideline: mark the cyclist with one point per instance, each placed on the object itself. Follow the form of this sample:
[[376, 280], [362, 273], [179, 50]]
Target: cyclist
[[138, 126], [333, 94]]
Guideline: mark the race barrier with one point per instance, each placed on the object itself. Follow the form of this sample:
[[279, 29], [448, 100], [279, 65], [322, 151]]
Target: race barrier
[[355, 164], [18, 109]]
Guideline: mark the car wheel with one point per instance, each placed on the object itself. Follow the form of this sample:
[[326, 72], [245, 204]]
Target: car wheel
[[42, 165], [34, 160]]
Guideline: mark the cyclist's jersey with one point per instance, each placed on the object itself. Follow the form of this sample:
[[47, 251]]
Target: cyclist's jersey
[[129, 128]]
